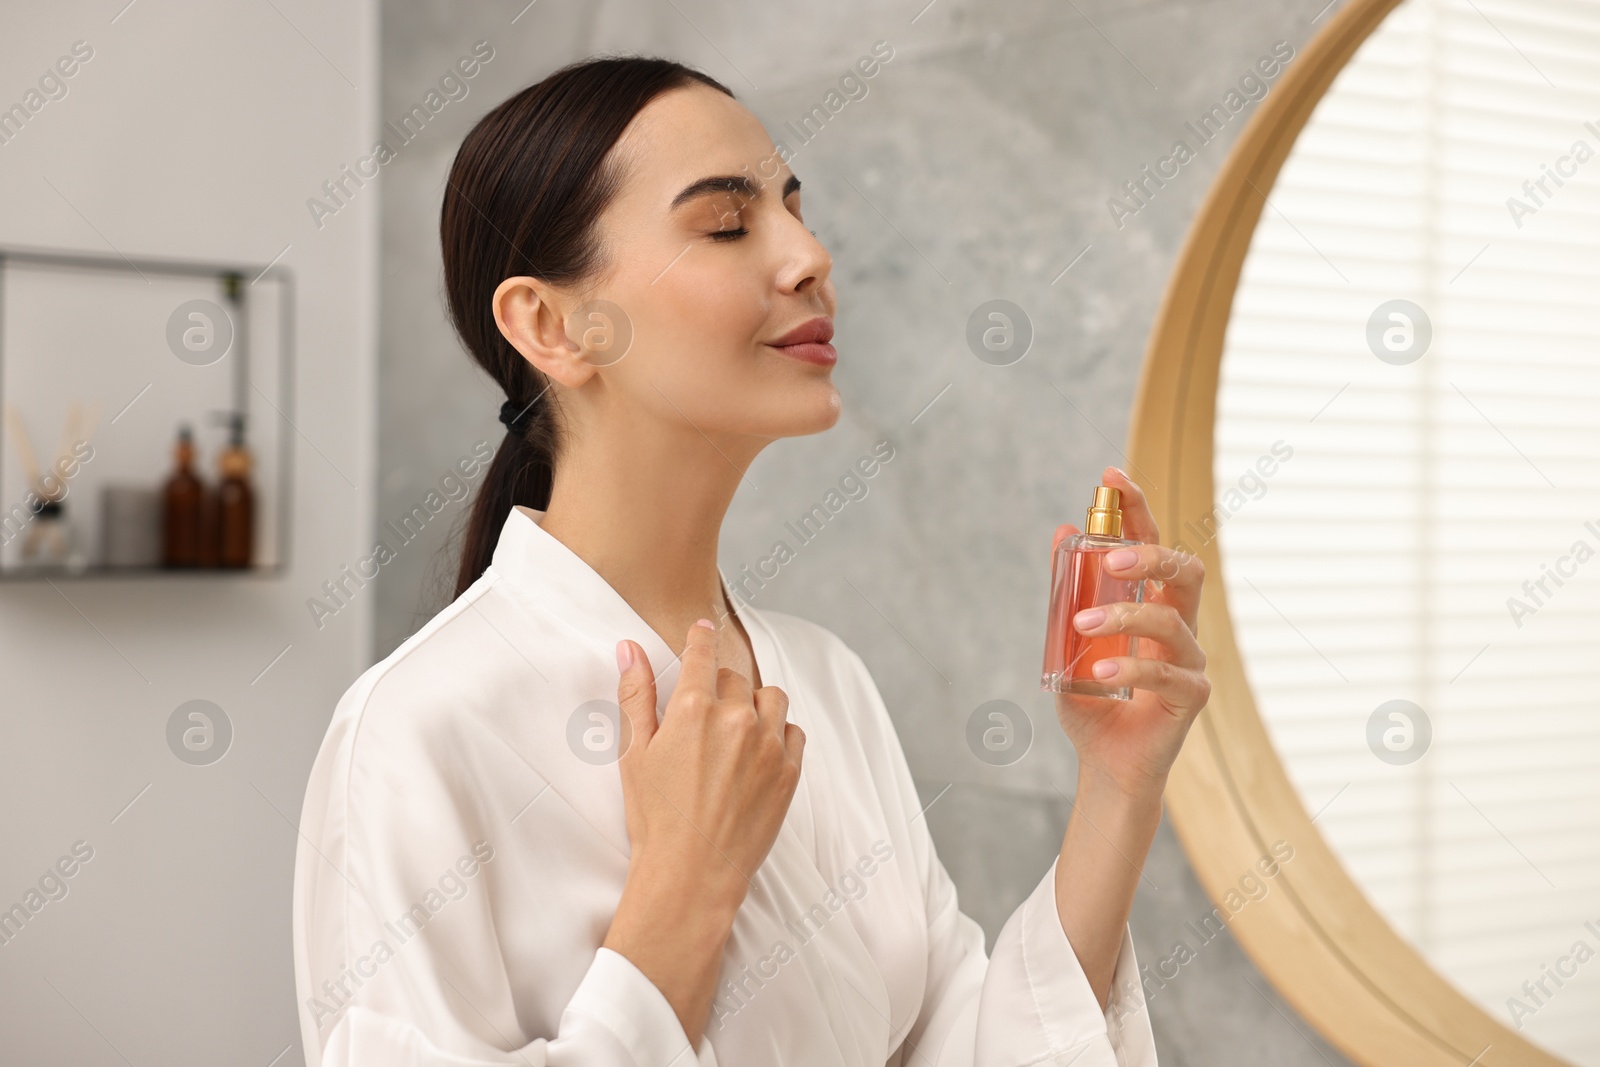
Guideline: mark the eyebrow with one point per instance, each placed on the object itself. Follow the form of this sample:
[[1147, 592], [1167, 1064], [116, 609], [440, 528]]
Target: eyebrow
[[729, 183]]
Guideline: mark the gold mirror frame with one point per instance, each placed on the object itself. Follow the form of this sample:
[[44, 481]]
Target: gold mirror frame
[[1314, 935]]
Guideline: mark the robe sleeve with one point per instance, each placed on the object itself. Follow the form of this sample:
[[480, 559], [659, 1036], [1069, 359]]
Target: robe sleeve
[[616, 1018], [1031, 1002], [397, 951]]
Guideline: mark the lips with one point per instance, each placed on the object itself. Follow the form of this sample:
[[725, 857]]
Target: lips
[[818, 329], [809, 342]]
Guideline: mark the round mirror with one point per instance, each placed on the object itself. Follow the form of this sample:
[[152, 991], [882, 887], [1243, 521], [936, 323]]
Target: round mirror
[[1373, 405]]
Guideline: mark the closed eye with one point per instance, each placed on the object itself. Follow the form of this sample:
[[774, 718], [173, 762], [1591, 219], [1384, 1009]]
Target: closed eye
[[728, 235]]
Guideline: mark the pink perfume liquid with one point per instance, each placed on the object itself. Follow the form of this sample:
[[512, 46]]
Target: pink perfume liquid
[[1078, 580]]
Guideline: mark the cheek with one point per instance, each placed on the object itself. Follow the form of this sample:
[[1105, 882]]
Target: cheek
[[701, 326], [725, 315]]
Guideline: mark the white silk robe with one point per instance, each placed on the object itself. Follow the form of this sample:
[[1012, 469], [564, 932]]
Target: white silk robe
[[463, 848]]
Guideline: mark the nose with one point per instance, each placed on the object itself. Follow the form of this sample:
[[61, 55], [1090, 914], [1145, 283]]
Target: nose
[[810, 263]]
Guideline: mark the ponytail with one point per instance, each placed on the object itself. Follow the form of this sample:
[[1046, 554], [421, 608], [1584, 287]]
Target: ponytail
[[521, 472]]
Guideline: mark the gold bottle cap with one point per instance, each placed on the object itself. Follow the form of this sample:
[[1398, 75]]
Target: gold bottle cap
[[1105, 514]]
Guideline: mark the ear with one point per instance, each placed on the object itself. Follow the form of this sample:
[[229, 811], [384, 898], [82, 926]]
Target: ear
[[532, 315]]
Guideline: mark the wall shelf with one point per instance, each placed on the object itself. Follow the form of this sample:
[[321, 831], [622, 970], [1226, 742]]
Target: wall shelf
[[137, 347]]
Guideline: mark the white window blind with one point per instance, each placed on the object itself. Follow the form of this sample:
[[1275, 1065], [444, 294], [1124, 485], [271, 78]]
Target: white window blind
[[1376, 563]]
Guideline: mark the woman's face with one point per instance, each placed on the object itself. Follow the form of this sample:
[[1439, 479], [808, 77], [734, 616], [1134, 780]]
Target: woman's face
[[708, 278]]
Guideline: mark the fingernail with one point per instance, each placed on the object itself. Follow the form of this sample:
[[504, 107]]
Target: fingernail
[[1121, 558], [1105, 669], [1122, 472], [1089, 618], [707, 623], [624, 655]]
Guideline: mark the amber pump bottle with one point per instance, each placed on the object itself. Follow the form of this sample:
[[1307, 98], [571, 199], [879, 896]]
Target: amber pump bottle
[[1078, 580], [184, 506], [236, 500]]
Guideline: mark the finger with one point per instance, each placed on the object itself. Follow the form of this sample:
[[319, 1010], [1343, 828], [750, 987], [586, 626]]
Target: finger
[[1160, 623], [1180, 574], [636, 692], [772, 707], [697, 672], [1178, 687], [794, 742], [733, 687], [1138, 523]]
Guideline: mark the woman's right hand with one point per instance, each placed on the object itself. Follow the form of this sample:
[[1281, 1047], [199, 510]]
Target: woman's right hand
[[705, 793]]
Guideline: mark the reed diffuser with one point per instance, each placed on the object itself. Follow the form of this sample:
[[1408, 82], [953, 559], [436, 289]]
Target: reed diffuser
[[49, 537]]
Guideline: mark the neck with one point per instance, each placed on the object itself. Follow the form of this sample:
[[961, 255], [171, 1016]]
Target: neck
[[646, 513]]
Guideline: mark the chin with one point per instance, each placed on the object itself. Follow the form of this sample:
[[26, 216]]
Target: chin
[[824, 413], [805, 411]]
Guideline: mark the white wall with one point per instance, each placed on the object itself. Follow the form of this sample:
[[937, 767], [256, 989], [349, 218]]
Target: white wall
[[196, 131]]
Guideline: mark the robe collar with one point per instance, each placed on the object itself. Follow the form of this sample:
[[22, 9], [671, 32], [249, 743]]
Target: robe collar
[[552, 576]]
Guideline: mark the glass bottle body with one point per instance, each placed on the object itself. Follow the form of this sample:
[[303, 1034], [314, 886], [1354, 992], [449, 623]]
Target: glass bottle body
[[1078, 580], [235, 522], [183, 526]]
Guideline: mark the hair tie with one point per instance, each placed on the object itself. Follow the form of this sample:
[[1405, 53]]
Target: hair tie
[[517, 416]]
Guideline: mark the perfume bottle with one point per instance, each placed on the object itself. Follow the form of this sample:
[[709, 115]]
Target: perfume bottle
[[1078, 580]]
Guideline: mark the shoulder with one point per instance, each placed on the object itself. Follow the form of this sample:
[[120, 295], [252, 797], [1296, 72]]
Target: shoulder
[[810, 646], [410, 709], [406, 681]]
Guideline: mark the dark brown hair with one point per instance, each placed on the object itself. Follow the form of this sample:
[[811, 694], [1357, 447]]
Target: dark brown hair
[[524, 196]]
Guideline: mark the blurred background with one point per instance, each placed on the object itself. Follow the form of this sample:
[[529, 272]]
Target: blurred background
[[205, 156]]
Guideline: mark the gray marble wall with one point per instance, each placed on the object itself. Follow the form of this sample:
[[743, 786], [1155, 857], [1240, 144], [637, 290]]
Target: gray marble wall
[[977, 167]]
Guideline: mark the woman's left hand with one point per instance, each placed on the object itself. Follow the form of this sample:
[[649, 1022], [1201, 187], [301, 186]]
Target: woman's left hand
[[1132, 744]]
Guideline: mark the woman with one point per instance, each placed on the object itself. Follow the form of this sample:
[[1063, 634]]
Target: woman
[[728, 864]]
